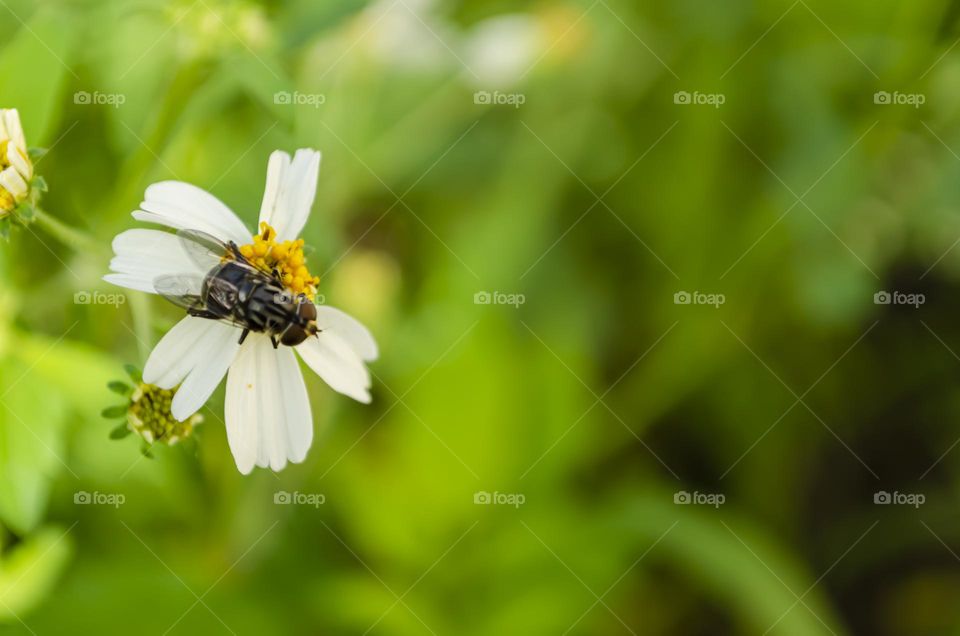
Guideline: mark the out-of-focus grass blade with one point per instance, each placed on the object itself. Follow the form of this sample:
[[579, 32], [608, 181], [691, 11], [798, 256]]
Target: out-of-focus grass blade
[[29, 571], [35, 66]]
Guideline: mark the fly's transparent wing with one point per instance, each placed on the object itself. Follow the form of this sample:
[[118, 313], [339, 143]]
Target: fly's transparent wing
[[205, 250], [183, 290]]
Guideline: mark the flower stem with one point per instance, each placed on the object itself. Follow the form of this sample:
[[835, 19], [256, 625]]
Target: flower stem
[[70, 236]]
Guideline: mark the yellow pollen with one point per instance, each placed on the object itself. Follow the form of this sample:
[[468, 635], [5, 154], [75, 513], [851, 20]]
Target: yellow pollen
[[284, 259], [7, 202]]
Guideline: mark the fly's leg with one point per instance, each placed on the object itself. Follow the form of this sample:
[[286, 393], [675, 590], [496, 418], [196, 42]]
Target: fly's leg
[[232, 247], [203, 313], [276, 343], [243, 336]]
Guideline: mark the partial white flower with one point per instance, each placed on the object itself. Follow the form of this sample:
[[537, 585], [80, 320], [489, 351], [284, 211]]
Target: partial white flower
[[267, 409], [16, 169]]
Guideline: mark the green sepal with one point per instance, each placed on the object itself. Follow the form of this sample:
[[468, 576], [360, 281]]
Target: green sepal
[[120, 432], [5, 225], [26, 212], [134, 373], [120, 387], [36, 153], [145, 450], [39, 184], [114, 412]]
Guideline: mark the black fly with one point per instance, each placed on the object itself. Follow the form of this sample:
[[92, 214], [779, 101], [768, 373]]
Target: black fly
[[236, 292]]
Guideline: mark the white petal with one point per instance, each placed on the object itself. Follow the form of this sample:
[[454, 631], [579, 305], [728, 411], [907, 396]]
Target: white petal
[[11, 120], [349, 329], [16, 158], [141, 256], [290, 190], [267, 409], [336, 362], [276, 167], [299, 420], [13, 183], [184, 348], [215, 354], [183, 206]]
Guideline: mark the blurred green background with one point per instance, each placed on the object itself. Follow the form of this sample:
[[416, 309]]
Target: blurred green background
[[704, 468]]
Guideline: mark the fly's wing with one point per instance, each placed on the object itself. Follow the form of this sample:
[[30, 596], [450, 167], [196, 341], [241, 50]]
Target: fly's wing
[[206, 250], [183, 290]]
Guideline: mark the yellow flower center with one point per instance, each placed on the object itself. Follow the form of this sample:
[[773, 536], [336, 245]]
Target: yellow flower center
[[7, 202], [4, 161], [149, 416], [284, 260]]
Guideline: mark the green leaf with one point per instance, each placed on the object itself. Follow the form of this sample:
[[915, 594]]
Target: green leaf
[[135, 374], [25, 212], [31, 444], [737, 561], [115, 412], [76, 371], [29, 571], [120, 432], [34, 67], [39, 184], [120, 387]]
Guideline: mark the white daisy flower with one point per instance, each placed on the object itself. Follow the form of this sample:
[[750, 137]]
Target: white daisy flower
[[267, 410], [16, 169]]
